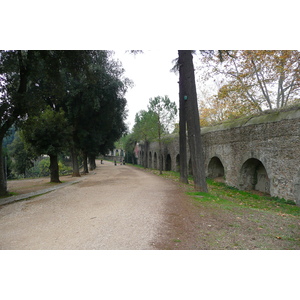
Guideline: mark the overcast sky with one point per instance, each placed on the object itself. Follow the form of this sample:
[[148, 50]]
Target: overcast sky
[[150, 72]]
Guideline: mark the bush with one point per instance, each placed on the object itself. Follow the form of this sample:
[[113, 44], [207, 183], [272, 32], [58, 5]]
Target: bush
[[41, 168]]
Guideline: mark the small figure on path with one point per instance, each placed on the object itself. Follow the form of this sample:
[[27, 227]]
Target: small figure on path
[[115, 162]]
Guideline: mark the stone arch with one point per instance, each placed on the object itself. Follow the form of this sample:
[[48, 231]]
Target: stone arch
[[150, 160], [142, 158], [168, 163], [155, 160], [178, 163], [254, 176], [215, 168]]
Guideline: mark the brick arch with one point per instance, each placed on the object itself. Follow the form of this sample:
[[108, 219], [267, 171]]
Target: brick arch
[[254, 176]]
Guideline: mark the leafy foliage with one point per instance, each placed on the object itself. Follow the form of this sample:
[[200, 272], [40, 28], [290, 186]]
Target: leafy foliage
[[22, 158], [152, 124], [81, 95], [262, 78], [165, 111], [145, 125], [156, 121], [47, 133], [225, 105], [95, 104]]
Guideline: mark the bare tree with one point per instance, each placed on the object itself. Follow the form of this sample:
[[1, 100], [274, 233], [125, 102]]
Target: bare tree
[[265, 78]]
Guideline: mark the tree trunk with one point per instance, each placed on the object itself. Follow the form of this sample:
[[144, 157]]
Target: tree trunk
[[3, 181], [188, 85], [54, 169], [85, 163], [182, 133], [92, 162], [75, 164], [19, 109]]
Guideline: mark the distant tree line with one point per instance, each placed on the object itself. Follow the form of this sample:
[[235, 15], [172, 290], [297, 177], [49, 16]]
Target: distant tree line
[[60, 102], [150, 125]]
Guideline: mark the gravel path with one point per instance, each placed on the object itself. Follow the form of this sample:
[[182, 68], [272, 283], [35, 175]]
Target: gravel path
[[117, 207]]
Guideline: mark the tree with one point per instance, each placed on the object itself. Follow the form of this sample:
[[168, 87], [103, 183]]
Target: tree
[[22, 159], [30, 80], [182, 130], [165, 111], [145, 129], [225, 105], [95, 107], [264, 78], [18, 70], [48, 134], [127, 142], [190, 115]]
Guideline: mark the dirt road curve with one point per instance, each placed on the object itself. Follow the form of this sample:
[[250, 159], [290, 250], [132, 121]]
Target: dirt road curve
[[116, 207]]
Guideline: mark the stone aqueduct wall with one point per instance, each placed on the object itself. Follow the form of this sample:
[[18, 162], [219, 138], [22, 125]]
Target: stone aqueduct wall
[[261, 153]]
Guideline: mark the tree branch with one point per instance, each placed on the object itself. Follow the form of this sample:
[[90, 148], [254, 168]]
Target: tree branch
[[265, 93]]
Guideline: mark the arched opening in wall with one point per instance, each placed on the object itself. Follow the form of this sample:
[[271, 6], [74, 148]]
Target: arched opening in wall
[[155, 161], [142, 159], [216, 169], [150, 160], [190, 167], [178, 163], [168, 163], [254, 176]]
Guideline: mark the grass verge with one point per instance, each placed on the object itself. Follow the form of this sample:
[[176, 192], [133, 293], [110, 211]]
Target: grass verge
[[221, 194]]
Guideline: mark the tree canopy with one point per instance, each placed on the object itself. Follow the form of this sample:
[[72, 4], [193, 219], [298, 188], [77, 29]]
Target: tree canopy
[[263, 79], [153, 123], [88, 87], [48, 133]]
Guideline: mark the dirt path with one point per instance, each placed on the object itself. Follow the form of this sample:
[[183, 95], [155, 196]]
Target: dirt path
[[122, 207], [116, 207]]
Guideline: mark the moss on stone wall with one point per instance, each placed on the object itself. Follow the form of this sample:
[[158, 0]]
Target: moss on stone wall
[[265, 117]]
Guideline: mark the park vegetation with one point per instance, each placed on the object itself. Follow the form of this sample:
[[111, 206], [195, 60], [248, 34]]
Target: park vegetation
[[150, 125], [245, 82], [72, 104], [59, 104]]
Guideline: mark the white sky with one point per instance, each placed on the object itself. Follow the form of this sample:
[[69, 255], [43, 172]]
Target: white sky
[[150, 72]]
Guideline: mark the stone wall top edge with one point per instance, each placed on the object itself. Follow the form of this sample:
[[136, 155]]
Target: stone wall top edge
[[250, 120]]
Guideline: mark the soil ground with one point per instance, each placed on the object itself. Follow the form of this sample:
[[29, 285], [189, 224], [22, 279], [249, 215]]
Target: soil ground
[[24, 186], [123, 207]]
